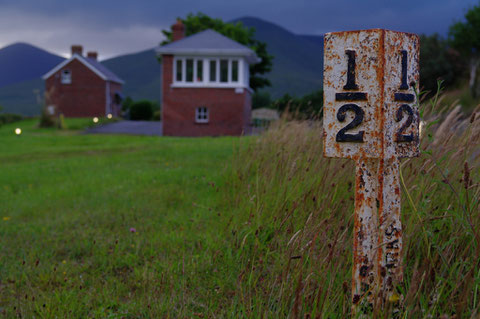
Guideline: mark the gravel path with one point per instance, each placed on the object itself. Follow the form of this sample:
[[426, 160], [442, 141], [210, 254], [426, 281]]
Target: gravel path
[[128, 127]]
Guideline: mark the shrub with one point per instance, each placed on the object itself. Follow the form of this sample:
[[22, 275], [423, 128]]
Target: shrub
[[309, 106], [141, 110], [261, 99], [439, 62], [7, 118], [47, 117], [127, 103], [46, 120], [157, 115]]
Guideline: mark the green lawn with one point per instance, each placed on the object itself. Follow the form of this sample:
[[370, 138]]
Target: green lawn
[[108, 226], [97, 226]]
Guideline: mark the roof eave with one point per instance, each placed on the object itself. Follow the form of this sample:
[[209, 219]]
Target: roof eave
[[254, 59], [83, 60], [119, 82], [204, 51], [56, 68], [250, 56]]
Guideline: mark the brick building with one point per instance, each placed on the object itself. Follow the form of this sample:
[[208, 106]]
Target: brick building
[[205, 84], [82, 87]]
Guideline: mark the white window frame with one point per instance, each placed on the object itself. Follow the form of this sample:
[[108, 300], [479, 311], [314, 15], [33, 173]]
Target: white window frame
[[242, 80], [184, 78], [175, 66], [231, 70], [66, 76], [202, 114]]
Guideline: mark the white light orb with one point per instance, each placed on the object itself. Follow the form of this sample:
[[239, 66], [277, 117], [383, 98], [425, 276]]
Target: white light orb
[[95, 119], [109, 116], [18, 131]]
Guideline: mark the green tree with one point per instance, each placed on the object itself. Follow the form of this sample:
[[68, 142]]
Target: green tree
[[309, 106], [127, 103], [261, 99], [195, 23], [465, 37], [438, 61]]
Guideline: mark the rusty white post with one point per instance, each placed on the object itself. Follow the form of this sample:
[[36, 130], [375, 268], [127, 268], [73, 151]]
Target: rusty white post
[[371, 116]]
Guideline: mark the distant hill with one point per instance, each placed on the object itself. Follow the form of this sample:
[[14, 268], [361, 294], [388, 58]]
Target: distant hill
[[22, 62], [141, 73], [21, 66], [318, 39], [298, 60], [21, 98], [297, 68]]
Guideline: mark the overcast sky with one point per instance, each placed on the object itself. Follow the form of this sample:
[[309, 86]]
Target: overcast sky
[[124, 26]]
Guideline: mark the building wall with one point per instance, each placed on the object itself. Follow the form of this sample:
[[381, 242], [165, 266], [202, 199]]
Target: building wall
[[84, 97], [229, 112]]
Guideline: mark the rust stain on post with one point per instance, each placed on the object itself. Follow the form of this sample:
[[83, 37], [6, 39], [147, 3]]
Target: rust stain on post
[[390, 230], [364, 239], [370, 116]]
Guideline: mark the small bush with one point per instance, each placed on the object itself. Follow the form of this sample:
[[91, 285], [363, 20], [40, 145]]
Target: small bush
[[157, 115], [261, 99], [47, 117], [141, 110], [309, 106], [47, 120], [127, 103], [7, 118]]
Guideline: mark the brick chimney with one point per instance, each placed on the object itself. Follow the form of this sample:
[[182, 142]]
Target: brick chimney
[[77, 49], [178, 30], [92, 55]]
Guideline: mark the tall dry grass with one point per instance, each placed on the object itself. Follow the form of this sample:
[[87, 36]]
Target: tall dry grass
[[292, 231]]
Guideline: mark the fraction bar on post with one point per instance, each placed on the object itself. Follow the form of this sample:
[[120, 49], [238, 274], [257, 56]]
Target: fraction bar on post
[[351, 96]]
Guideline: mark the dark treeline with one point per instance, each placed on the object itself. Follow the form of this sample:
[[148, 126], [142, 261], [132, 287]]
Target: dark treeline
[[309, 106]]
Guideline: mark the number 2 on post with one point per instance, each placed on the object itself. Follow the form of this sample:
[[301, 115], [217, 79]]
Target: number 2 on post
[[357, 120], [342, 136]]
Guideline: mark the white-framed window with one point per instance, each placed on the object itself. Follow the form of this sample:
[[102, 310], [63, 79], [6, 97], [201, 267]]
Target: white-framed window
[[224, 70], [66, 77], [208, 71], [188, 70], [234, 71], [213, 70], [201, 114], [178, 70]]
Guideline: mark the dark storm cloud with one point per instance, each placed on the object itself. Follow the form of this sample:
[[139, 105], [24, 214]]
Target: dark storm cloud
[[120, 26]]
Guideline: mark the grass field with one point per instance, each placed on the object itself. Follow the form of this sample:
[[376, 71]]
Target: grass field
[[260, 227], [108, 226]]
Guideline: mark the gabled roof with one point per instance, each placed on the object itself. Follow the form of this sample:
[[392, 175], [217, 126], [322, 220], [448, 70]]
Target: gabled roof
[[208, 42], [92, 64]]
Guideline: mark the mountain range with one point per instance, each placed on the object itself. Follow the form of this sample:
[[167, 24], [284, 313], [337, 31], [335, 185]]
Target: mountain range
[[297, 68]]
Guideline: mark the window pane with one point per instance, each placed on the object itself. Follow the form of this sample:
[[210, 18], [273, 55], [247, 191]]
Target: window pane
[[179, 70], [189, 70], [234, 71], [201, 114], [223, 70], [66, 77], [213, 70], [199, 70]]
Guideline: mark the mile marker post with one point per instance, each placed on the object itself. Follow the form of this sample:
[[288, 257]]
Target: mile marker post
[[371, 116]]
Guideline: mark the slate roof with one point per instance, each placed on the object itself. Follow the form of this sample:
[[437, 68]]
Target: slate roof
[[208, 42], [92, 64], [109, 75]]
